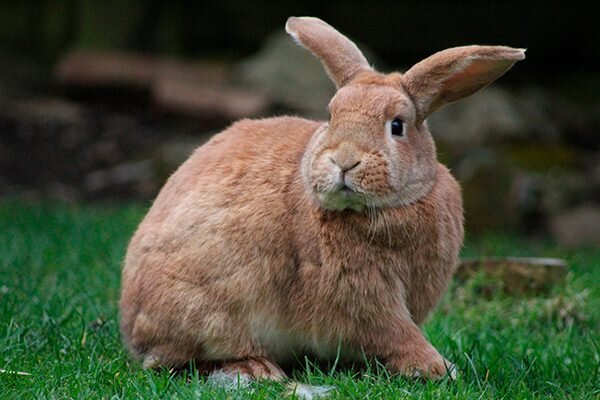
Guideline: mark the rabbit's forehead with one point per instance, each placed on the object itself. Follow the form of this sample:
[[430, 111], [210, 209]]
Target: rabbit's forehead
[[374, 101]]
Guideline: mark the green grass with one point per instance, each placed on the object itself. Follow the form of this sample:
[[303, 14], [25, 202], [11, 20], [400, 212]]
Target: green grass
[[59, 287]]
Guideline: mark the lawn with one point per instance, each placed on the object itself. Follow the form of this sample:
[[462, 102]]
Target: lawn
[[59, 288]]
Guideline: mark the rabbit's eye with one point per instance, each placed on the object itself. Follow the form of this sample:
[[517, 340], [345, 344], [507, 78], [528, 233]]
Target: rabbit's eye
[[397, 127]]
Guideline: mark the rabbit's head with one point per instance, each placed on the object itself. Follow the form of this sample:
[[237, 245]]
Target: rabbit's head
[[376, 150]]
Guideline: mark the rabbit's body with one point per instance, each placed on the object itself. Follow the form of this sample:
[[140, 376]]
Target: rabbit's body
[[252, 267], [284, 237]]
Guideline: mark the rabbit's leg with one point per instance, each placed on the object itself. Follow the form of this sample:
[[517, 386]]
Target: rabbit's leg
[[407, 352], [252, 368]]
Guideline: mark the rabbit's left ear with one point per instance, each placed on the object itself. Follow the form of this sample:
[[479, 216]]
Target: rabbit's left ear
[[455, 73], [340, 56]]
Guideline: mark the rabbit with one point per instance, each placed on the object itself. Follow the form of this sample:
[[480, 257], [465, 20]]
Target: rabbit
[[284, 237]]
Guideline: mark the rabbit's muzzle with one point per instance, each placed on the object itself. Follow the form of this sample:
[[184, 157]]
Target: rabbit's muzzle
[[349, 179]]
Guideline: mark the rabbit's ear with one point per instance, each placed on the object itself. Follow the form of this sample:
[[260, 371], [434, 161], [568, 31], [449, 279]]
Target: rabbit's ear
[[340, 56], [455, 73]]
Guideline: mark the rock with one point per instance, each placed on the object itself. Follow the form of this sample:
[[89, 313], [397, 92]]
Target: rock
[[42, 139], [565, 189], [138, 174], [93, 69], [100, 69], [514, 155], [196, 89], [498, 115], [517, 275], [43, 111], [290, 75], [208, 101], [215, 73], [577, 227]]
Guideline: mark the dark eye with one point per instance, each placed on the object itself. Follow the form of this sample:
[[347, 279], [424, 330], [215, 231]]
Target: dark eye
[[397, 127]]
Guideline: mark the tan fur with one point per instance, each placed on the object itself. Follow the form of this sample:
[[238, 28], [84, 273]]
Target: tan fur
[[341, 58], [254, 254]]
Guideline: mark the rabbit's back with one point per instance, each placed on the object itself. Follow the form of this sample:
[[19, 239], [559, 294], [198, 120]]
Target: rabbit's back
[[215, 233], [246, 159]]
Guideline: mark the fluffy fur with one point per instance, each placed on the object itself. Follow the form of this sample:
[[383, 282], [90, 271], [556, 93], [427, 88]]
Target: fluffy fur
[[283, 237]]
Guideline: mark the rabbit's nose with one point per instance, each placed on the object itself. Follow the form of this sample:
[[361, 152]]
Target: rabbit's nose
[[345, 165], [346, 169], [346, 158]]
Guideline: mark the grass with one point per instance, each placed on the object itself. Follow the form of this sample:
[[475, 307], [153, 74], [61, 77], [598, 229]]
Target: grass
[[59, 287]]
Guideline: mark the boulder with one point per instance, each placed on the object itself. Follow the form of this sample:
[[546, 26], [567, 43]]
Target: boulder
[[498, 115], [577, 227], [188, 88], [138, 174], [291, 76]]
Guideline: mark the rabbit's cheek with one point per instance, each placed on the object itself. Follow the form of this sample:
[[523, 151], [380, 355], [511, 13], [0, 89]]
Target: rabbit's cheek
[[325, 176], [374, 183], [373, 177]]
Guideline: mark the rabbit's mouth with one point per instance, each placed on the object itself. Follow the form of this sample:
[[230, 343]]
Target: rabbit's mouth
[[345, 186], [342, 198], [346, 190]]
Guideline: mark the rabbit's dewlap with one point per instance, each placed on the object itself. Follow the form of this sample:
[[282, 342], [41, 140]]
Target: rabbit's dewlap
[[283, 237]]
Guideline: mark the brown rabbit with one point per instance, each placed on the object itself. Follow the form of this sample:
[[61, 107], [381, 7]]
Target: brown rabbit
[[285, 237]]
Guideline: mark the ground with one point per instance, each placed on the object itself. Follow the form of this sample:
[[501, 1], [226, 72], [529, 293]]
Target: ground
[[59, 337]]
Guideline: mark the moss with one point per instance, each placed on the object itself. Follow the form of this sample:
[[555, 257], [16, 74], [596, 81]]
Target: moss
[[539, 157]]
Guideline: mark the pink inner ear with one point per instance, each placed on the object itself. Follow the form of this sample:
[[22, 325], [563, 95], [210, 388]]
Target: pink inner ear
[[478, 74]]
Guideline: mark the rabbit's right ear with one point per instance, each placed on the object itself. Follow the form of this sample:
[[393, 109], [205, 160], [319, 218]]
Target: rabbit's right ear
[[340, 56], [455, 73]]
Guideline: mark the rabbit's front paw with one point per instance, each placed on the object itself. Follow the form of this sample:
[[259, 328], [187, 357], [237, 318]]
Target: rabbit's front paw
[[423, 363], [255, 368]]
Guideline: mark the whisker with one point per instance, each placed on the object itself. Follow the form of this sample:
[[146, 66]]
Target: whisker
[[387, 228], [372, 222]]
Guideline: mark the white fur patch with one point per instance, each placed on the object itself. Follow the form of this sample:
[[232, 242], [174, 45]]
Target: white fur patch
[[228, 381], [285, 346], [267, 331], [309, 392]]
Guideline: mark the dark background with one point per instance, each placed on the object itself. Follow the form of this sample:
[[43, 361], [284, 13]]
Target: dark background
[[97, 141], [562, 37]]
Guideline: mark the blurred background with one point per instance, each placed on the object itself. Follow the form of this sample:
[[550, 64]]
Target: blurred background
[[100, 100]]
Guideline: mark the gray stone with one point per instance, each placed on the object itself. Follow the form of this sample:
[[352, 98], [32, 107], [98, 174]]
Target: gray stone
[[136, 173], [497, 115], [290, 74], [563, 190], [577, 227]]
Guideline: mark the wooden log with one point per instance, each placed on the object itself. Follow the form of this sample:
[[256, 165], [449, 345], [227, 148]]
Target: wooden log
[[87, 69], [518, 275], [201, 100], [93, 69]]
